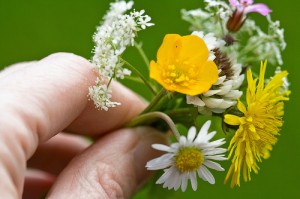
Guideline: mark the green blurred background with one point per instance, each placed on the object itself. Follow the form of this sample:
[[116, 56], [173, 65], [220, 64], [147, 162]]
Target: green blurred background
[[33, 29]]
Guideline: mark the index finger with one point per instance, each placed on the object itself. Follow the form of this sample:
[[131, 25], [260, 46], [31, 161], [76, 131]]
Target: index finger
[[51, 95]]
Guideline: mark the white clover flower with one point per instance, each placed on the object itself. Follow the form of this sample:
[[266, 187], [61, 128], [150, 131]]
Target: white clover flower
[[188, 157], [224, 93], [116, 32]]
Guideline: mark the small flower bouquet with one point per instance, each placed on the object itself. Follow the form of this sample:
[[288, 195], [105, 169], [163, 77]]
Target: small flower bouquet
[[202, 80]]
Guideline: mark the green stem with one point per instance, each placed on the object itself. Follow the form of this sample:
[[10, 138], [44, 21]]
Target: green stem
[[131, 67], [155, 101], [181, 111], [145, 118], [109, 81], [222, 28], [138, 46], [133, 78]]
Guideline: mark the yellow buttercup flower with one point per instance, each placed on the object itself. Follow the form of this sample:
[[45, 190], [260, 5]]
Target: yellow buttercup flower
[[183, 66], [258, 127]]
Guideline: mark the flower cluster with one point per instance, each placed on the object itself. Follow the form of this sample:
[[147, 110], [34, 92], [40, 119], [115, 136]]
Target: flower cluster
[[201, 74], [116, 32]]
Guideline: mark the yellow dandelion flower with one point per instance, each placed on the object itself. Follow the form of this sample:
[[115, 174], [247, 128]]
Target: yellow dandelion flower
[[258, 127], [183, 66]]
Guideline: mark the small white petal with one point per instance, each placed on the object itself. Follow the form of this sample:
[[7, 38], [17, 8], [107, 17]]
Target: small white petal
[[191, 134], [212, 102], [195, 100], [220, 80], [161, 162], [210, 93], [182, 140], [205, 173], [178, 182], [166, 176], [213, 165], [193, 178], [214, 151], [225, 89], [162, 147], [238, 82], [216, 157], [215, 143], [203, 132], [234, 94], [184, 182], [175, 178], [225, 104], [228, 82], [200, 174], [210, 135]]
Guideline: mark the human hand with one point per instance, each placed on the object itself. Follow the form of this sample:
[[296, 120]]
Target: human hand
[[40, 100]]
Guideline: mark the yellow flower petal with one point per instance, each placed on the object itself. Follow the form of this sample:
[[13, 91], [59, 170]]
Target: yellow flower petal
[[232, 119], [191, 49], [241, 107], [183, 66], [166, 52]]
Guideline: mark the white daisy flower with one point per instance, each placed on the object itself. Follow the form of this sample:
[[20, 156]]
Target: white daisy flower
[[188, 157]]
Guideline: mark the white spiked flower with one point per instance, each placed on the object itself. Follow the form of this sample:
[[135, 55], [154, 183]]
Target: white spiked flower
[[116, 32], [188, 157]]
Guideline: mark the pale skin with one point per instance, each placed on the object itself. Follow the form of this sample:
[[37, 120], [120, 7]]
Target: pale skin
[[45, 112]]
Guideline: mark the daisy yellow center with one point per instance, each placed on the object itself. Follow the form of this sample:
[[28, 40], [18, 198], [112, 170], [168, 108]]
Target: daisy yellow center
[[188, 159]]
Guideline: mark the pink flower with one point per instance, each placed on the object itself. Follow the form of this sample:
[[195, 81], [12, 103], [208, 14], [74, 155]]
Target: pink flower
[[247, 6], [243, 7]]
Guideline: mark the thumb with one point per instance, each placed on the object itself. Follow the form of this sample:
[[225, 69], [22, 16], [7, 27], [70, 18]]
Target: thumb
[[113, 167]]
